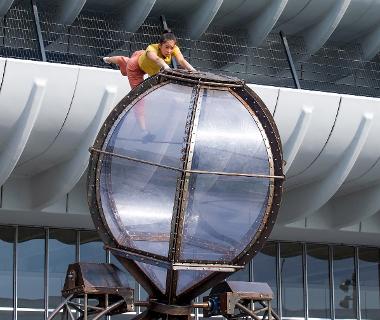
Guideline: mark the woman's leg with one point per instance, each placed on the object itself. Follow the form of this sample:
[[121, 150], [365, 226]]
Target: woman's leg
[[121, 61]]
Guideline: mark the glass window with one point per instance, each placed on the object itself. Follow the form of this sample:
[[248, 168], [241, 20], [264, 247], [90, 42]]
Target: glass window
[[30, 268], [241, 275], [292, 293], [7, 238], [137, 198], [224, 212], [318, 281], [369, 272], [62, 245], [265, 270], [30, 315], [344, 282], [6, 315], [91, 247]]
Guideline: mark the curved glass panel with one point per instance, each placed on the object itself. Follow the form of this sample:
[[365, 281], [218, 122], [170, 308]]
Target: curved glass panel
[[224, 212], [138, 198]]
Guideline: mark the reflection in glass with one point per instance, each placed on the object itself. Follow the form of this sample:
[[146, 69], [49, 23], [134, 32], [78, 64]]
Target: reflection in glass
[[156, 274], [137, 211], [142, 198], [30, 315], [241, 275], [131, 281], [369, 272], [7, 237], [264, 268], [30, 268], [227, 140], [62, 244], [6, 315], [187, 279], [91, 247], [292, 293], [318, 281], [344, 282]]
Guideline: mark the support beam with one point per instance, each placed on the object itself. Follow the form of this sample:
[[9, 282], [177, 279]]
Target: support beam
[[297, 136], [371, 43], [201, 18], [4, 7], [55, 182], [260, 27], [38, 30], [317, 35], [290, 60], [301, 202], [15, 145]]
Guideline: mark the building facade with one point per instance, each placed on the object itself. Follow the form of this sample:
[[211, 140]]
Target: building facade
[[319, 77]]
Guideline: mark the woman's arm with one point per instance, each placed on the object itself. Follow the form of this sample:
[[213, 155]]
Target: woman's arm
[[183, 62], [159, 61]]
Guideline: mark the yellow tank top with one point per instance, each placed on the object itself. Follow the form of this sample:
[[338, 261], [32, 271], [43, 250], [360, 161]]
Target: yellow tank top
[[149, 66]]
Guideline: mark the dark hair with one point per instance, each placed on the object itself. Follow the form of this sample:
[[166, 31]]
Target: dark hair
[[167, 35]]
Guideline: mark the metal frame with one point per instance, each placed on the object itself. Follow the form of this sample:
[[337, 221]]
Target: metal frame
[[269, 131]]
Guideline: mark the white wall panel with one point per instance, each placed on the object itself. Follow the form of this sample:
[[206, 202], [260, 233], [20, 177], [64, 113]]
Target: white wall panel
[[290, 106], [19, 78]]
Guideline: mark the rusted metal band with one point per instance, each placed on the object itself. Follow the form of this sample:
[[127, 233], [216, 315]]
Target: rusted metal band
[[234, 174], [172, 310], [202, 82]]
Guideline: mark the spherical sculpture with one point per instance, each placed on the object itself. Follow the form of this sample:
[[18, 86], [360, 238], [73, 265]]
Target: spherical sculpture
[[185, 181]]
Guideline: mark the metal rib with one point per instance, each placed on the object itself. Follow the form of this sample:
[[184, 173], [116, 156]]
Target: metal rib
[[255, 175]]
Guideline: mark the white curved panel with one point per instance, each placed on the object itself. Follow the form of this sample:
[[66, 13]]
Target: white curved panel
[[371, 43], [361, 17], [134, 13], [69, 10], [350, 113], [354, 208], [302, 14], [52, 184], [4, 6], [317, 35], [304, 201], [88, 94], [371, 151], [199, 20], [18, 81], [269, 95], [290, 106], [259, 27], [11, 152]]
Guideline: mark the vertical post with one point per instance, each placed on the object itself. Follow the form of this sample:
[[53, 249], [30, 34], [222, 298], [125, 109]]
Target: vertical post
[[290, 60], [15, 274], [46, 273], [357, 280], [305, 285], [279, 284], [38, 29], [332, 289]]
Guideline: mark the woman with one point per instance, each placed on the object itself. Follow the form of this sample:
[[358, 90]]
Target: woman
[[157, 56]]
